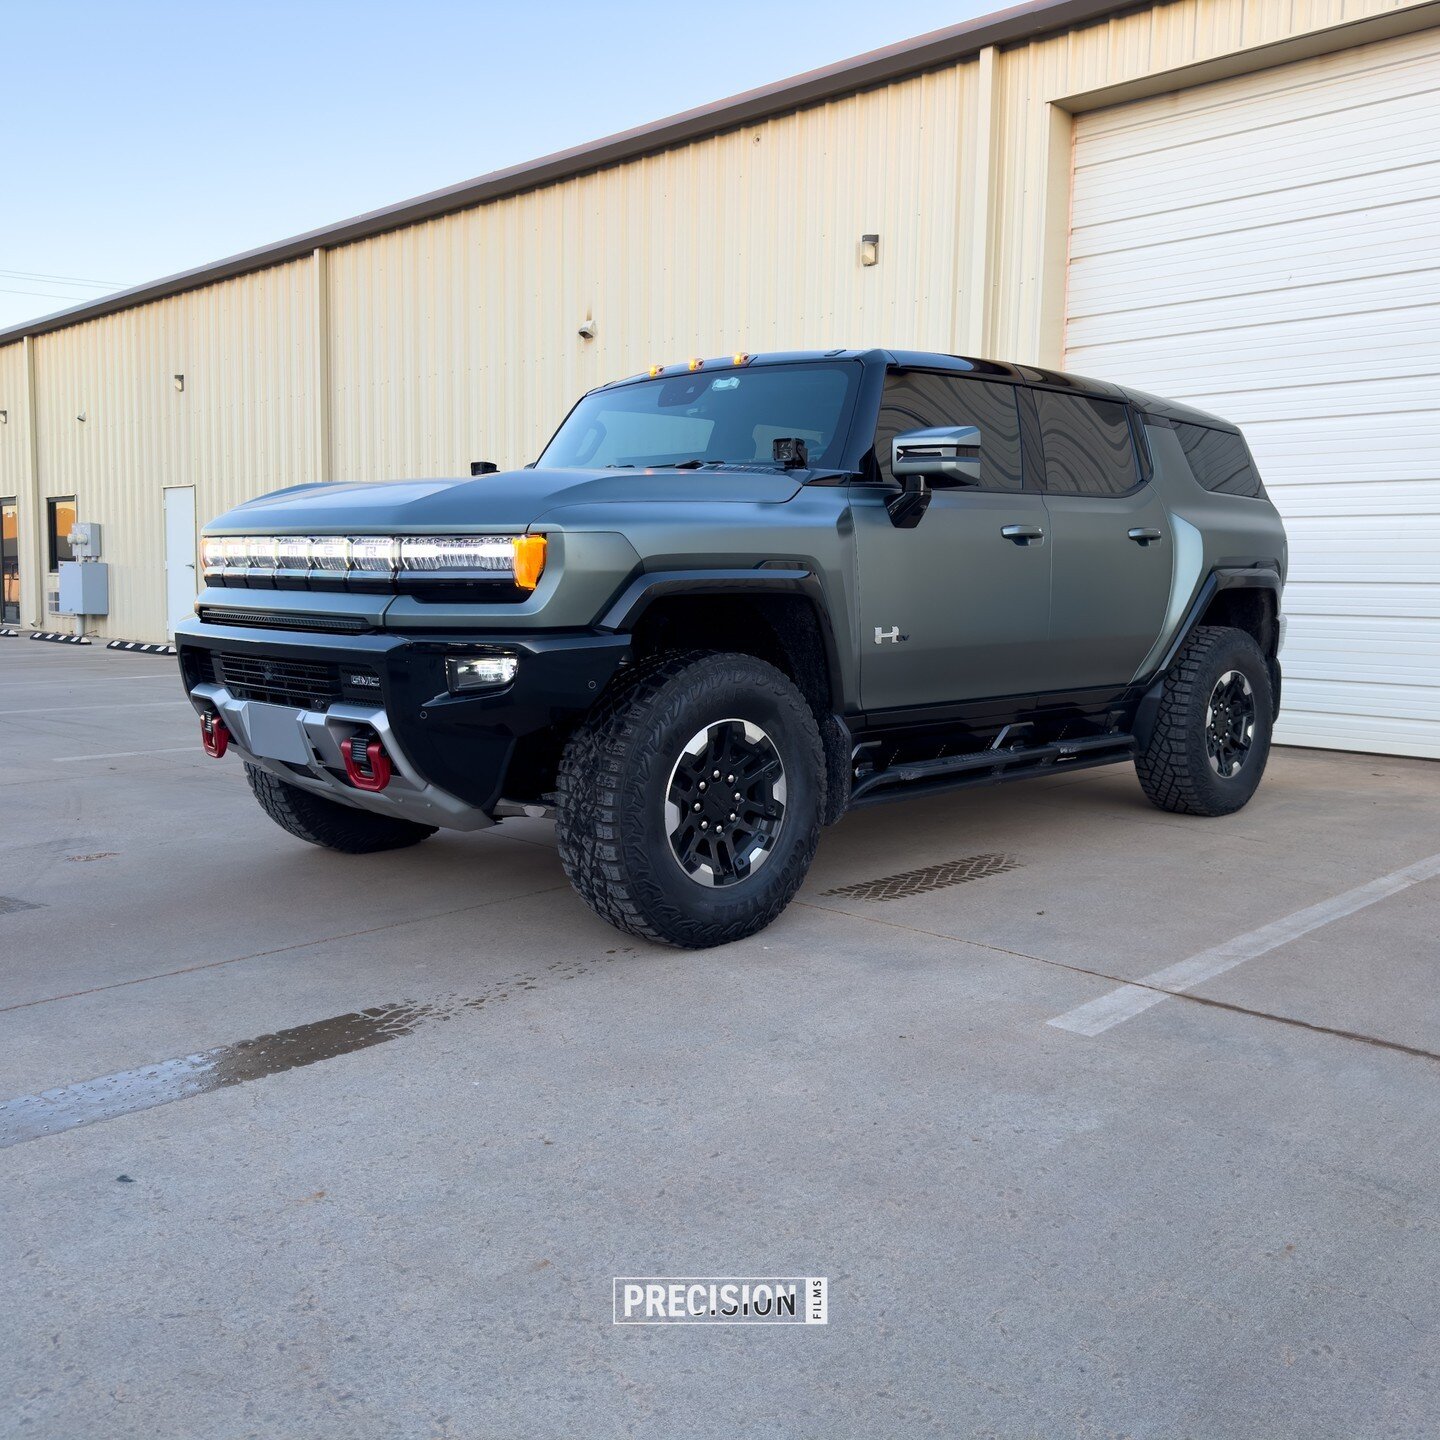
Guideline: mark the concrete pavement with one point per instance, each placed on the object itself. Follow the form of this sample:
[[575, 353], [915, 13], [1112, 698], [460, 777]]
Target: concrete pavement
[[1216, 1219]]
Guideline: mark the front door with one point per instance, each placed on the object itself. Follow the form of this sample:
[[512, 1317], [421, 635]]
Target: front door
[[9, 563], [1112, 539], [179, 555], [954, 609]]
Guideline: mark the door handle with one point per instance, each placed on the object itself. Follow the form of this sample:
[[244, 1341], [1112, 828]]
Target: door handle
[[1022, 534], [1142, 536]]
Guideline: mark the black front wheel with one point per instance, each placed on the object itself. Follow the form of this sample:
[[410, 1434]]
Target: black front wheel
[[689, 803], [319, 821], [1211, 739]]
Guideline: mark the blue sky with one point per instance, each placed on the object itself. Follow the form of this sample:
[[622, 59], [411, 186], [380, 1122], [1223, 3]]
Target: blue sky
[[144, 138]]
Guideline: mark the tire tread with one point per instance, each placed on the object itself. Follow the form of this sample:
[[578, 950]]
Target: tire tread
[[595, 807], [328, 824], [1170, 772]]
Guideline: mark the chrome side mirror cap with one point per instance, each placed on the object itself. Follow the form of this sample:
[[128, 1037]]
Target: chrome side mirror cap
[[950, 452]]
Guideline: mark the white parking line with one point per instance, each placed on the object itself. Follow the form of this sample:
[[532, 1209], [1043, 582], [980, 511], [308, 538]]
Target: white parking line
[[71, 709], [124, 754], [1129, 1001]]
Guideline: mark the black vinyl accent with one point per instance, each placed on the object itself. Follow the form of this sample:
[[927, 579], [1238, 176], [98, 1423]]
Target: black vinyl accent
[[283, 620]]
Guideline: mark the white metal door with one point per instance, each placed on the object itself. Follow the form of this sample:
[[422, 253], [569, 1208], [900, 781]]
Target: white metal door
[[179, 555], [1266, 248]]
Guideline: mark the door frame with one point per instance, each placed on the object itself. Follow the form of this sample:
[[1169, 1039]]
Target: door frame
[[165, 550], [12, 502]]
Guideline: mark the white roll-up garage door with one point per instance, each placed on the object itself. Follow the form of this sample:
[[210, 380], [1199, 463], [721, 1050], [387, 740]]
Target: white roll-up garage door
[[1268, 248]]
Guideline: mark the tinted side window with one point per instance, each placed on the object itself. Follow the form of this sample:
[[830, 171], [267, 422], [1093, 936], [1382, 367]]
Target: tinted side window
[[1219, 460], [1088, 446], [917, 401]]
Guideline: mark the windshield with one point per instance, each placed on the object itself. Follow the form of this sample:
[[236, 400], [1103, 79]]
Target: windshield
[[727, 416]]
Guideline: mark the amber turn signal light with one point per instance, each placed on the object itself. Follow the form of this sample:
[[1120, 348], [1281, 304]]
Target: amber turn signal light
[[529, 560]]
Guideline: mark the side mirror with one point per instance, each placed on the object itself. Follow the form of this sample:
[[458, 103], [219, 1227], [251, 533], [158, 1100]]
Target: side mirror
[[951, 452]]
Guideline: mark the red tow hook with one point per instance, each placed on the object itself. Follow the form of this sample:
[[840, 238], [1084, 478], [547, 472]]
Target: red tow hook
[[214, 735], [366, 764]]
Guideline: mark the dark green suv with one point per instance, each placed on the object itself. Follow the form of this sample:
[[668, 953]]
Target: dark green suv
[[735, 598]]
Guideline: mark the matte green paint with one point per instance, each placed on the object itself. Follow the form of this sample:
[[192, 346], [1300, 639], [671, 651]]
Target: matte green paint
[[972, 614]]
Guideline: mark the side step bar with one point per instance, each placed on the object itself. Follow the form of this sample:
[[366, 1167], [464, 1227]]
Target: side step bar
[[989, 767]]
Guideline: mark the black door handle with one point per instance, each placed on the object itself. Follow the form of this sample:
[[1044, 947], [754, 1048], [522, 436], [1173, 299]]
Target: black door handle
[[1143, 537], [1022, 534]]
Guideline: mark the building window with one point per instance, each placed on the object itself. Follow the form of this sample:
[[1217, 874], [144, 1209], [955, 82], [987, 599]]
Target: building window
[[62, 515], [9, 561]]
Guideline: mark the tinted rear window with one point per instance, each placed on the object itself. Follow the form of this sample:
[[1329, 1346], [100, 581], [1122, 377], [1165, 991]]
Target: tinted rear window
[[1088, 446], [1219, 460]]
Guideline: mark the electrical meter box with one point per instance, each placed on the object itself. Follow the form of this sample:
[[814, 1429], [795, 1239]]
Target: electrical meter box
[[84, 540], [84, 587]]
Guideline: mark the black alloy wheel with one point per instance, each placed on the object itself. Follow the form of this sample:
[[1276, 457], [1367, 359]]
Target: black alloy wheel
[[1230, 724], [725, 803]]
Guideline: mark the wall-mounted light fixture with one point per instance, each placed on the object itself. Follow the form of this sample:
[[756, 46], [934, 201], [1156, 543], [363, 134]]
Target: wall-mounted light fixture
[[587, 329], [4, 417], [81, 417], [179, 382], [869, 249]]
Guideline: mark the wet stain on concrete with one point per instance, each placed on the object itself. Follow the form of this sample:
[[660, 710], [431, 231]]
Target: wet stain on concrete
[[29, 1117], [10, 903]]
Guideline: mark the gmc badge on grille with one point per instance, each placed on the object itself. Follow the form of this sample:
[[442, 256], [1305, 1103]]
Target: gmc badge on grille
[[364, 682]]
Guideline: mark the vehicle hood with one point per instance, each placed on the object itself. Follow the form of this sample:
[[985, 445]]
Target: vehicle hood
[[510, 500]]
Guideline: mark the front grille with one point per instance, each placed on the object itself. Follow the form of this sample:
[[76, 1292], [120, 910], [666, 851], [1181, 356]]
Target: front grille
[[304, 684], [281, 620]]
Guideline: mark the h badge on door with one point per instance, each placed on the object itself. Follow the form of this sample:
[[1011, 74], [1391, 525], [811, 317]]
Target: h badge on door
[[892, 636]]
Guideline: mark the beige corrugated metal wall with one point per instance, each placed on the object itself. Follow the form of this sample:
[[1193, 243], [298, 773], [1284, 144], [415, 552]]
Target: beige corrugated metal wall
[[413, 352], [244, 422], [457, 339]]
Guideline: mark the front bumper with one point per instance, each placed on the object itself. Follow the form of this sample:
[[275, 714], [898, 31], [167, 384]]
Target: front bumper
[[291, 699]]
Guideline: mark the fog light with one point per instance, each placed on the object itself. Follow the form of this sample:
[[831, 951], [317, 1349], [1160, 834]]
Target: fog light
[[481, 672]]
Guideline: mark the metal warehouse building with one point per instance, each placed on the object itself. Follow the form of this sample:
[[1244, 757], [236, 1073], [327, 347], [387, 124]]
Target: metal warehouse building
[[1234, 203]]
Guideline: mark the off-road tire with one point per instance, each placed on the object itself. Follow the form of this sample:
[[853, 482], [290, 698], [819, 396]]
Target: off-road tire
[[1175, 768], [613, 781], [323, 822]]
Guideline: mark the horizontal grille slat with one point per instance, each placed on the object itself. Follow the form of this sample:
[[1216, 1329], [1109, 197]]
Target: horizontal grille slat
[[307, 685]]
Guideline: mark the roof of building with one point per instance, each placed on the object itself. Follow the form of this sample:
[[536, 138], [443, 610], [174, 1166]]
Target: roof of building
[[932, 51]]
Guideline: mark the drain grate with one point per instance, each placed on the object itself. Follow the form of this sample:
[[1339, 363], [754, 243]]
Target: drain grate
[[931, 877], [9, 903]]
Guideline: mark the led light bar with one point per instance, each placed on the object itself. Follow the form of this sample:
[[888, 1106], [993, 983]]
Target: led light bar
[[518, 558]]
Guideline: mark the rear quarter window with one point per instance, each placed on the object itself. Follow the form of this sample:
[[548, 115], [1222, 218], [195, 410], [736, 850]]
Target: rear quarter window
[[1219, 460]]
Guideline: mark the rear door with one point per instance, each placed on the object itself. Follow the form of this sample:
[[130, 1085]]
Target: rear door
[[952, 610], [1112, 543]]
